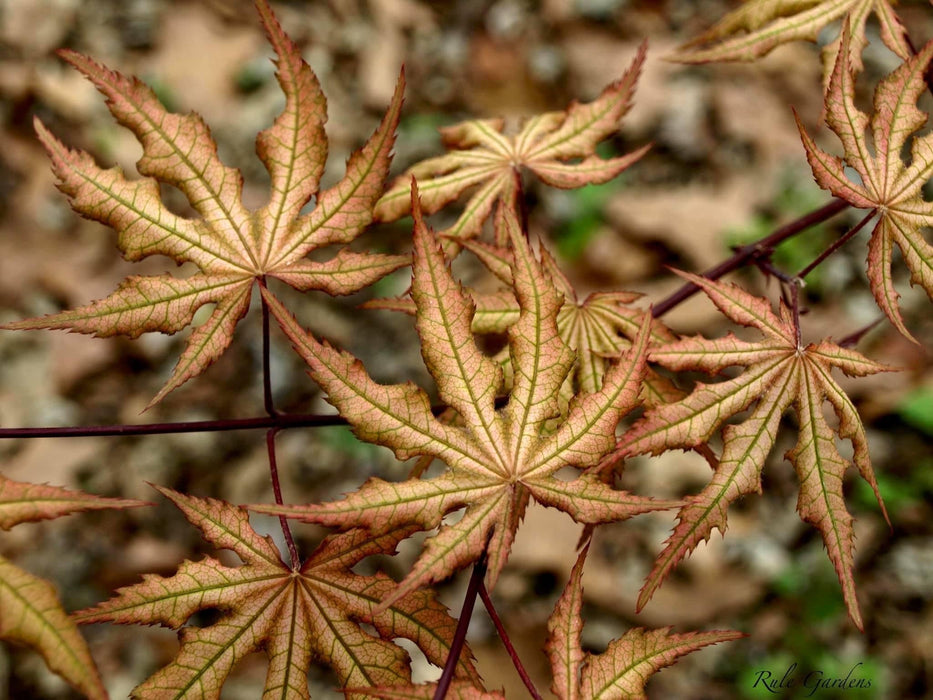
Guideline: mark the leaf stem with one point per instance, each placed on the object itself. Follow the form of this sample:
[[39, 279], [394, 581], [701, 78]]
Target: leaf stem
[[749, 253], [277, 491], [521, 203], [266, 369], [463, 624], [853, 338], [835, 245], [269, 405], [506, 642]]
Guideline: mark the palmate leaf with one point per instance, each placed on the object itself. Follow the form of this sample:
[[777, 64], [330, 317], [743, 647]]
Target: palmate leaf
[[497, 459], [779, 374], [887, 184], [759, 26], [621, 671], [598, 328], [558, 147], [295, 616], [232, 247], [30, 612]]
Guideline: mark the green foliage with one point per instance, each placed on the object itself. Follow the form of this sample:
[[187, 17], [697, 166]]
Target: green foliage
[[917, 410], [585, 218]]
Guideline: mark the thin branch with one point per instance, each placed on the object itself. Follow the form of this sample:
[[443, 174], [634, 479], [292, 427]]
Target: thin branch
[[281, 422], [751, 252], [463, 624], [507, 643]]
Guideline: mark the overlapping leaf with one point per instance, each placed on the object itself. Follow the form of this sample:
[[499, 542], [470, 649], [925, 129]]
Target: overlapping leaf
[[780, 373], [30, 612], [887, 184], [558, 147], [233, 247], [598, 328], [498, 458], [295, 616], [759, 26], [620, 672]]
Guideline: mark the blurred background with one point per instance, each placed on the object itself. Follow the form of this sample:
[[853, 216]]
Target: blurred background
[[726, 168]]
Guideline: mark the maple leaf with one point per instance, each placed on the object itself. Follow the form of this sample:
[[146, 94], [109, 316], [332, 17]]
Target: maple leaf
[[780, 373], [759, 26], [622, 671], [294, 615], [233, 247], [498, 458], [30, 611], [558, 147], [887, 184], [597, 328]]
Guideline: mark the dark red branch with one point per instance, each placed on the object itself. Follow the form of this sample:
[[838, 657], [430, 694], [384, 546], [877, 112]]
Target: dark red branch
[[507, 643], [835, 245], [751, 252], [277, 491], [266, 371], [281, 421], [463, 624], [521, 202]]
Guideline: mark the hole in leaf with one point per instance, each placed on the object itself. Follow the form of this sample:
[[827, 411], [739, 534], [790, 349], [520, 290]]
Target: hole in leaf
[[422, 670], [176, 201], [205, 618]]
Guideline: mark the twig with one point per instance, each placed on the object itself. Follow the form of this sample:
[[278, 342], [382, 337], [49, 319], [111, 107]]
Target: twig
[[281, 421], [751, 252]]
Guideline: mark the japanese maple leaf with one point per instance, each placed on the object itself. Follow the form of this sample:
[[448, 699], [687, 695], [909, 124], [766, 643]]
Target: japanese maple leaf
[[294, 615], [759, 26], [232, 247], [597, 328], [780, 373], [621, 671], [887, 185], [497, 459], [558, 147], [30, 612]]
